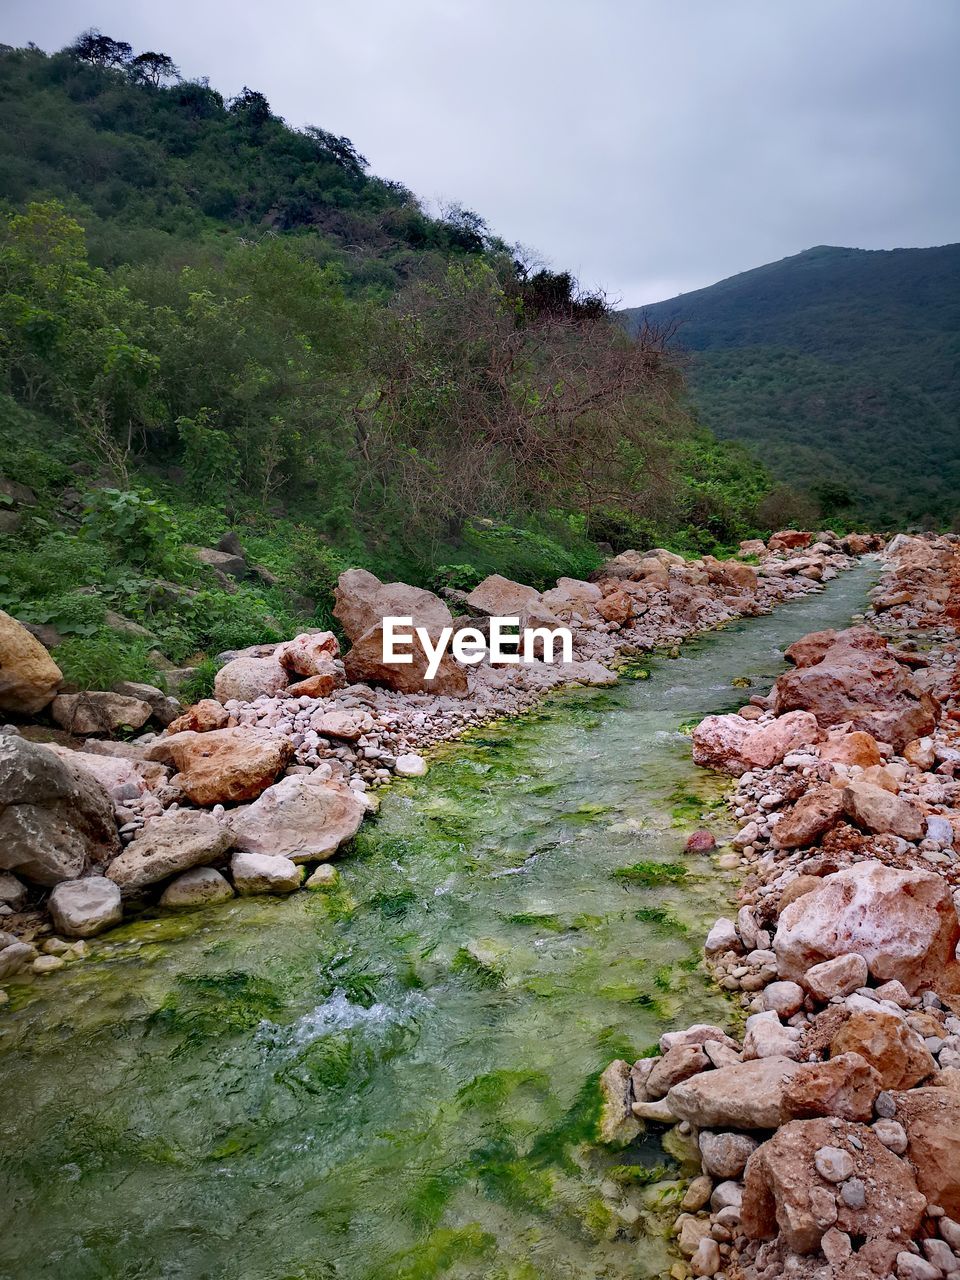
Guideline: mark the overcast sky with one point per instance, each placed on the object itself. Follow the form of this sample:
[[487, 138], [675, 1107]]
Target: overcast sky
[[651, 146]]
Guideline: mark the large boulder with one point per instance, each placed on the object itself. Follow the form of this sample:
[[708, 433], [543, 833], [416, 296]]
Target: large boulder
[[96, 712], [863, 687], [744, 1095], [814, 647], [203, 716], [167, 845], [83, 908], [903, 923], [786, 1193], [29, 677], [364, 663], [894, 1050], [362, 601], [789, 540], [225, 766], [118, 776], [931, 1118], [875, 809], [56, 820], [304, 818], [164, 708], [572, 595], [247, 678], [845, 1086], [735, 745]]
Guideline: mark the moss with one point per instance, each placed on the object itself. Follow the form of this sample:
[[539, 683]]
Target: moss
[[649, 874], [444, 1248], [662, 918], [206, 1007], [507, 1176]]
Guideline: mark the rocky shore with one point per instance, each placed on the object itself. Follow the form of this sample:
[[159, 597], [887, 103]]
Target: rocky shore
[[255, 789], [829, 1130]]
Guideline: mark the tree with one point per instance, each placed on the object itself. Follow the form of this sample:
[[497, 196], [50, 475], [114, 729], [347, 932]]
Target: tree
[[251, 106], [154, 68], [340, 149], [101, 51]]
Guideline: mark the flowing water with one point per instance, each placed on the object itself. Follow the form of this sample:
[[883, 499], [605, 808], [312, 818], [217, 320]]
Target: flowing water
[[398, 1078]]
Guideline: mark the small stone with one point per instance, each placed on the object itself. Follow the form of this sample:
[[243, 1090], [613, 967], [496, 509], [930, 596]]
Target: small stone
[[838, 977], [853, 1193], [725, 1155], [264, 873], [200, 887], [885, 1106], [48, 964], [83, 908], [823, 1206], [697, 1194], [325, 877], [939, 1253], [706, 1260], [700, 842], [836, 1246], [784, 998], [912, 1267], [410, 765], [892, 1135], [833, 1163]]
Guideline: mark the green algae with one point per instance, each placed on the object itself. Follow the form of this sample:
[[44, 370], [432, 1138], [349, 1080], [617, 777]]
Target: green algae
[[650, 874]]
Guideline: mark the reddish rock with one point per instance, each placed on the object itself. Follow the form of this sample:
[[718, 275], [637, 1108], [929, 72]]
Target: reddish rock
[[700, 842], [29, 677], [863, 687], [876, 809], [837, 977], [364, 663], [363, 601], [789, 540], [309, 654], [735, 745], [851, 748], [846, 1086], [903, 923], [745, 1095], [616, 607], [931, 1118], [898, 1054], [225, 766], [813, 814], [784, 1192], [677, 1064], [247, 678], [320, 685], [303, 818], [204, 716]]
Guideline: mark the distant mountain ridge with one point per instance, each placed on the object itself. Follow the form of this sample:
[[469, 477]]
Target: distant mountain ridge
[[841, 369]]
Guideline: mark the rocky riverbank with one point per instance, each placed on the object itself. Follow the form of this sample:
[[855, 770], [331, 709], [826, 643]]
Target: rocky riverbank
[[255, 789], [829, 1132]]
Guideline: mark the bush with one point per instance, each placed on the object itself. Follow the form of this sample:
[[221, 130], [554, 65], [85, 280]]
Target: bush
[[140, 528], [102, 660]]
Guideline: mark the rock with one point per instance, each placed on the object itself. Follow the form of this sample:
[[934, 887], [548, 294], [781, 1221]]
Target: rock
[[309, 654], [659, 1111], [99, 712], [734, 745], [616, 607], [783, 998], [571, 595], [837, 977], [892, 1135], [29, 677], [700, 842], [899, 1055], [322, 685], [782, 1175], [83, 908], [14, 958], [691, 1232], [199, 887], [347, 725], [114, 773], [325, 877], [699, 1034], [48, 964], [174, 842], [677, 1064], [845, 1086], [766, 1037], [789, 540], [225, 766], [225, 562], [833, 1163], [410, 765], [931, 1118], [618, 1125], [164, 709], [697, 1194], [903, 923], [247, 678], [811, 817], [499, 597], [365, 664], [205, 715], [303, 817], [747, 1095], [706, 1259], [13, 893], [725, 1155], [722, 937], [56, 820], [854, 748], [912, 1267], [363, 601], [875, 809], [862, 687], [797, 888], [264, 873], [920, 752]]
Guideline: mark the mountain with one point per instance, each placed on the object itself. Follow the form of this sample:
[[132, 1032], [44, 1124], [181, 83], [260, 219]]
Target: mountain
[[840, 369]]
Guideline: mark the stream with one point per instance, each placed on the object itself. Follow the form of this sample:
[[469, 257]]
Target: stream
[[397, 1078]]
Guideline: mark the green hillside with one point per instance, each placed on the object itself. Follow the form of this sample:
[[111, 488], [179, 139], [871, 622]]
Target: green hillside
[[841, 369]]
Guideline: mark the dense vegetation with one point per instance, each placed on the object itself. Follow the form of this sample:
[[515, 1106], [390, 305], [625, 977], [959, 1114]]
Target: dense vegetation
[[211, 321], [841, 368]]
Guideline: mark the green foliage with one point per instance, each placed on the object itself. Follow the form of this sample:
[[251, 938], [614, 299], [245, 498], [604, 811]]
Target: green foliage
[[839, 367], [136, 526], [103, 659], [210, 460]]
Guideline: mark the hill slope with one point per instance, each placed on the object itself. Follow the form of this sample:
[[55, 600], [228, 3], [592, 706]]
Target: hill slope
[[840, 368]]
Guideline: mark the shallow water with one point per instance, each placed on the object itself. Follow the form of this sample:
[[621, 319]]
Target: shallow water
[[397, 1078]]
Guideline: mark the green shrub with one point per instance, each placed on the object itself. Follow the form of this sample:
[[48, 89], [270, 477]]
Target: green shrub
[[200, 684], [140, 528], [102, 660]]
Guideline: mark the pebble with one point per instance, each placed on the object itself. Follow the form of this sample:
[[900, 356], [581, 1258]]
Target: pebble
[[833, 1163]]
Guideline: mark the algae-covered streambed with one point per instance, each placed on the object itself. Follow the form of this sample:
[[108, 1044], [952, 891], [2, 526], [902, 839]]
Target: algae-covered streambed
[[397, 1078]]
